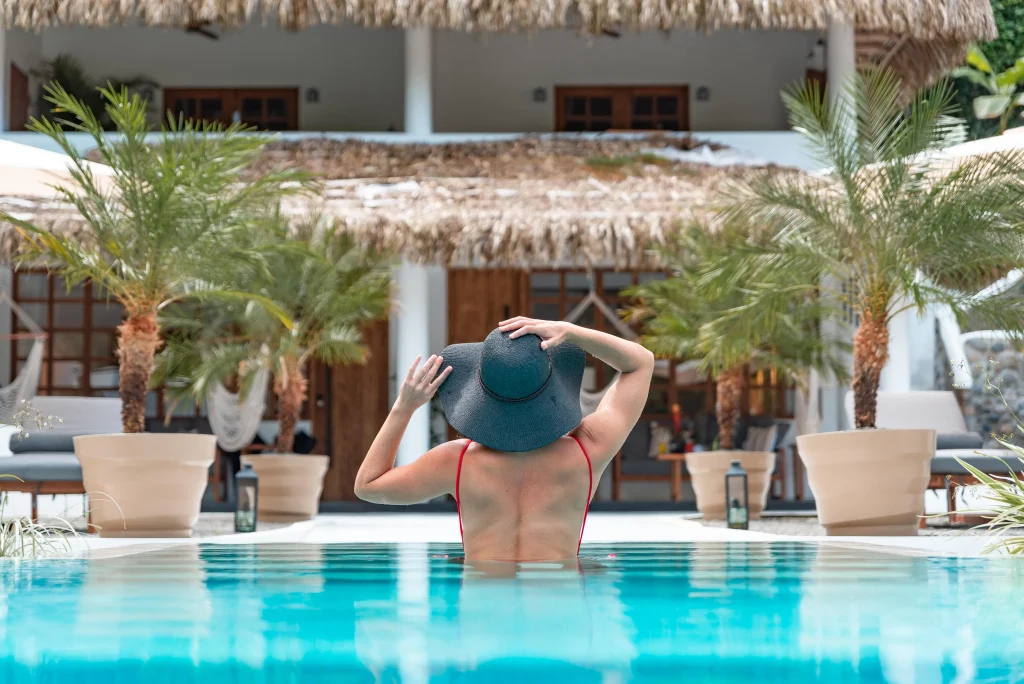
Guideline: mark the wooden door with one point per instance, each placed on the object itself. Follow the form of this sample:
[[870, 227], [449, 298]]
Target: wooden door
[[202, 104], [350, 403], [271, 109], [268, 110], [19, 100], [632, 108], [478, 299]]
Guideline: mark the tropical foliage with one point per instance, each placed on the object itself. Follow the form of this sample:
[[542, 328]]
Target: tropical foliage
[[164, 226], [23, 538], [1001, 101], [1002, 501], [893, 227], [328, 287], [1002, 53], [688, 317], [68, 72]]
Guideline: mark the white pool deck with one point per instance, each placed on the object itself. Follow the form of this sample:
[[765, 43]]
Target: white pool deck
[[602, 528]]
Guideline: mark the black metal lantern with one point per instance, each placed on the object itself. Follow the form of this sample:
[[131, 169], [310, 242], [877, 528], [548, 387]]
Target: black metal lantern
[[247, 486], [737, 510]]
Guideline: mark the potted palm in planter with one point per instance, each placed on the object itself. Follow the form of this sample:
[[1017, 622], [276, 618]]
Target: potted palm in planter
[[688, 317], [328, 286], [163, 230], [893, 227]]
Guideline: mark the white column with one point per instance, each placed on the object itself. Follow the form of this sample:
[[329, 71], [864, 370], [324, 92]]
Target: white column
[[841, 55], [897, 371], [5, 87], [419, 112], [412, 332], [841, 66]]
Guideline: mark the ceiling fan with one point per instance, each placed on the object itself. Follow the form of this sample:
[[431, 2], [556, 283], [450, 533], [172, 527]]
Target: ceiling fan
[[202, 28]]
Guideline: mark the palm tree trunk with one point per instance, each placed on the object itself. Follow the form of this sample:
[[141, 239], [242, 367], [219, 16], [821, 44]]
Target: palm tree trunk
[[729, 404], [290, 386], [137, 341], [870, 352]]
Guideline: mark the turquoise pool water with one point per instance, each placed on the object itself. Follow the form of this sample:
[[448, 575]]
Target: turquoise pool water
[[739, 612]]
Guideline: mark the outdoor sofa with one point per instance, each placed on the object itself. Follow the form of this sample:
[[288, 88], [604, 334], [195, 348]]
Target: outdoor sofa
[[44, 462]]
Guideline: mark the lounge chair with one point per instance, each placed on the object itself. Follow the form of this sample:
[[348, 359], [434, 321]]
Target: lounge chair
[[45, 461], [940, 411]]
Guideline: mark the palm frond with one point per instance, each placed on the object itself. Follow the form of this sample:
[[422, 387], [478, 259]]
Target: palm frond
[[893, 220], [309, 294], [691, 315]]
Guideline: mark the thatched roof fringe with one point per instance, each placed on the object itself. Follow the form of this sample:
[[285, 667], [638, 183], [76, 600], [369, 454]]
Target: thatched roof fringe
[[524, 202], [959, 20]]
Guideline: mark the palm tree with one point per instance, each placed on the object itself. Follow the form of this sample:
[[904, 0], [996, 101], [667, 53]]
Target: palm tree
[[327, 285], [688, 316], [893, 226], [166, 229]]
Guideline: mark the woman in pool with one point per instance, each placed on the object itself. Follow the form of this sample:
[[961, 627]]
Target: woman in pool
[[524, 478]]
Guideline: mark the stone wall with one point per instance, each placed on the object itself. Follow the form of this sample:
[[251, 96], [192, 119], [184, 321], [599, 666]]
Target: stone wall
[[996, 396]]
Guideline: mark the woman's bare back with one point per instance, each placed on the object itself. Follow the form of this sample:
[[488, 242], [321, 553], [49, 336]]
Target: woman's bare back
[[524, 506], [527, 505]]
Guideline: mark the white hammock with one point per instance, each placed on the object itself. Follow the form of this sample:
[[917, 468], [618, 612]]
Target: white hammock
[[26, 384], [235, 421], [589, 401]]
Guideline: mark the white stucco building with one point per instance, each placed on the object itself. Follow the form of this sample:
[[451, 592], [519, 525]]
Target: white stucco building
[[446, 77]]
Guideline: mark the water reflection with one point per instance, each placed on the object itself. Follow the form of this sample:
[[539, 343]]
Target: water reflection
[[906, 619], [416, 614], [473, 616]]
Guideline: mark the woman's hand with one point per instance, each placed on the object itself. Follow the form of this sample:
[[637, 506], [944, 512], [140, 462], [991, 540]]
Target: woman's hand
[[421, 382], [551, 333]]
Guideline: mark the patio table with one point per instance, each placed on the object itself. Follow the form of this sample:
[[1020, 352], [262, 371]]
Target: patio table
[[675, 461]]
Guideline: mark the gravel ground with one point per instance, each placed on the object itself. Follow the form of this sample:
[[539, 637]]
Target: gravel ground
[[218, 524]]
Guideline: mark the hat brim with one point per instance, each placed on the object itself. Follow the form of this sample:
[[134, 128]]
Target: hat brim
[[512, 426]]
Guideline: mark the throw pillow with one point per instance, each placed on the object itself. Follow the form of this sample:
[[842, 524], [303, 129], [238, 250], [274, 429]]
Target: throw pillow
[[660, 436], [760, 438]]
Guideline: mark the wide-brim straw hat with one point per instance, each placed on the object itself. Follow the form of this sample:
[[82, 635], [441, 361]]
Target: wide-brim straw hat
[[511, 395]]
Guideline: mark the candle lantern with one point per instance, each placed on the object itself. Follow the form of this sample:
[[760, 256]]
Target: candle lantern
[[736, 505], [247, 485]]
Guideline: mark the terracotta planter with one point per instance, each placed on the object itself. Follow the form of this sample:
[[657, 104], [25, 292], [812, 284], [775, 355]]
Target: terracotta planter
[[869, 482], [145, 484], [707, 472], [290, 485]]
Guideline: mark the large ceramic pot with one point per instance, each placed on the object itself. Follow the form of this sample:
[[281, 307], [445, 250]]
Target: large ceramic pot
[[145, 484], [869, 482], [707, 473], [289, 485]]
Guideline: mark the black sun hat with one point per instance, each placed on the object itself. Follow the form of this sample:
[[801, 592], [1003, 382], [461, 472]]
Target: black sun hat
[[511, 395]]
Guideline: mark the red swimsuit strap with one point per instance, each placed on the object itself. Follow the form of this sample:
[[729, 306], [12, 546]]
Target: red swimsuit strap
[[590, 491], [458, 476], [590, 488]]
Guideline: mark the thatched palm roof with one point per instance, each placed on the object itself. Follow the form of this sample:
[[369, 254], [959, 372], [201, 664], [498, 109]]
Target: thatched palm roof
[[961, 20], [524, 202], [920, 39]]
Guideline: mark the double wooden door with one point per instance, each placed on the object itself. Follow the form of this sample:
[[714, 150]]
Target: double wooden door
[[269, 109]]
